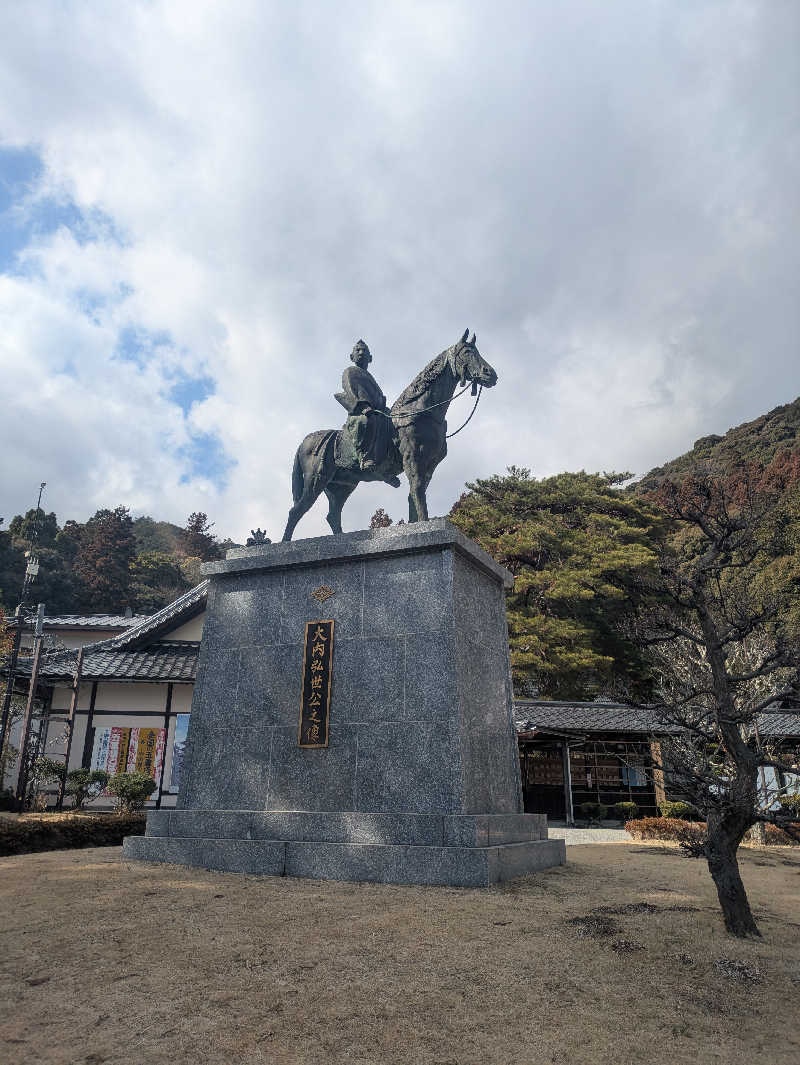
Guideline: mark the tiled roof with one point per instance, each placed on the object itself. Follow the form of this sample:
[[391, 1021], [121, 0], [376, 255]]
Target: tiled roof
[[93, 621], [531, 716], [182, 609], [166, 661], [782, 723], [583, 717]]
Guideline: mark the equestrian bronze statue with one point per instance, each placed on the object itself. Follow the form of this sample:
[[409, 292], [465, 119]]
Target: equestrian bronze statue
[[377, 443]]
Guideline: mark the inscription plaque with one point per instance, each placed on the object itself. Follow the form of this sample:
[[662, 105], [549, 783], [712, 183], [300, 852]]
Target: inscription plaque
[[315, 700]]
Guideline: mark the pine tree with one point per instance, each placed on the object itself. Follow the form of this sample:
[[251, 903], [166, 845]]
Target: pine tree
[[574, 543], [156, 581], [12, 571], [35, 527], [197, 540], [102, 562]]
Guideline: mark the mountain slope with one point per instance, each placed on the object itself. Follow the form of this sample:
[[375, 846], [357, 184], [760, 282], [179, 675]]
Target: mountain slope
[[756, 442]]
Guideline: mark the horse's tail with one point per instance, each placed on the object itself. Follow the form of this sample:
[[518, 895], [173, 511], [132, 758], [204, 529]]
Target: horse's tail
[[298, 481]]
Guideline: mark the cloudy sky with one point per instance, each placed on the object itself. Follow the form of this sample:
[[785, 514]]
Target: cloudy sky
[[203, 205]]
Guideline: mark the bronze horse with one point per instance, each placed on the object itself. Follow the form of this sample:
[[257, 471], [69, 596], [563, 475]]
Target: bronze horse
[[420, 431]]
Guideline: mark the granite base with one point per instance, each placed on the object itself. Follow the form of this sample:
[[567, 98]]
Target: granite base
[[383, 863], [419, 782]]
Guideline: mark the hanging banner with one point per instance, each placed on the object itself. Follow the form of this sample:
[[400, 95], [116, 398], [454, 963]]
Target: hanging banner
[[102, 740], [111, 749], [143, 751], [178, 751], [129, 750]]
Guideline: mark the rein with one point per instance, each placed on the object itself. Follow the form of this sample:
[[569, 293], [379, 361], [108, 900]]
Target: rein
[[475, 407], [433, 406]]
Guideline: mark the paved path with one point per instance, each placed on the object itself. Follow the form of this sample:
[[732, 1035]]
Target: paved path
[[574, 836]]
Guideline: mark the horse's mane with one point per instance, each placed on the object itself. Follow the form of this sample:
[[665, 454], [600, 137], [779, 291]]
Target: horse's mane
[[423, 380]]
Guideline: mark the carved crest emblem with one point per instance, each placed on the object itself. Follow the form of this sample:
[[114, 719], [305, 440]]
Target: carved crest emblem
[[322, 593]]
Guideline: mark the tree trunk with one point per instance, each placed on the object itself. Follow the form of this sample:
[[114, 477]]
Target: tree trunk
[[724, 869]]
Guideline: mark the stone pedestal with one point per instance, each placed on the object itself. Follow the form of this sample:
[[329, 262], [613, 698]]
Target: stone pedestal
[[420, 780]]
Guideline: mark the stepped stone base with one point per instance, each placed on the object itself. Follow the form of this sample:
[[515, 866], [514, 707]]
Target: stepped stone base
[[460, 851], [419, 782]]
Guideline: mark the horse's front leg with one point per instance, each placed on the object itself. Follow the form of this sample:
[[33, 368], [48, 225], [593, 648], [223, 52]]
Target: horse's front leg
[[417, 483]]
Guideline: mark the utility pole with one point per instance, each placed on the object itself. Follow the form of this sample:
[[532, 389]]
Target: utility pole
[[73, 706], [22, 779], [19, 624], [31, 571]]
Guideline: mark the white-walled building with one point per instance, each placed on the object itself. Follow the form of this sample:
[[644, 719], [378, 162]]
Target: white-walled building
[[133, 687]]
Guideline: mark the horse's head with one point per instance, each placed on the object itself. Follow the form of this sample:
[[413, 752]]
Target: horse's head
[[468, 364]]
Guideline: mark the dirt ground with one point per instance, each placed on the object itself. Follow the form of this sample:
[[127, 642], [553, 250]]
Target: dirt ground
[[108, 961]]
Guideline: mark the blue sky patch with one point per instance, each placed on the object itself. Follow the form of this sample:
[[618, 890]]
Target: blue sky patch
[[23, 217], [139, 345], [187, 391], [206, 457]]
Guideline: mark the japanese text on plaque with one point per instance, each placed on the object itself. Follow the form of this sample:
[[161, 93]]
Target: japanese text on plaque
[[316, 698]]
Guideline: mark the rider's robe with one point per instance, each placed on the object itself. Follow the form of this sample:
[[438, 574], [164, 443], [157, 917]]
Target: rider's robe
[[368, 425]]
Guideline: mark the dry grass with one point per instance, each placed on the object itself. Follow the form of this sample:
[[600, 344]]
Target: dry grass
[[619, 957]]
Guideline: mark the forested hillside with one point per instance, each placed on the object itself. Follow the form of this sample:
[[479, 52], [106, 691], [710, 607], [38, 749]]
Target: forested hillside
[[106, 564], [587, 555], [758, 443]]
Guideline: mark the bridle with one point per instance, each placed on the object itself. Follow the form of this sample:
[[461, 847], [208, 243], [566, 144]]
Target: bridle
[[477, 390]]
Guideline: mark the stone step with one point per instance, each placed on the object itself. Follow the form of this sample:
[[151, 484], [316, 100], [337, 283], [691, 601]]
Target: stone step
[[443, 830], [368, 862]]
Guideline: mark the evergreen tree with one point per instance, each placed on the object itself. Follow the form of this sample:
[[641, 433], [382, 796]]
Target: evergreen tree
[[54, 584], [35, 527], [197, 540], [152, 535], [575, 544], [12, 571], [102, 562], [156, 581]]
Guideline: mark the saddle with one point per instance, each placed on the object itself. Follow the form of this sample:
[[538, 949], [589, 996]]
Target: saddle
[[346, 456]]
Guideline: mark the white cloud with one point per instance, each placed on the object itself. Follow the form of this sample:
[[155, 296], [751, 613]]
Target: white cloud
[[607, 195]]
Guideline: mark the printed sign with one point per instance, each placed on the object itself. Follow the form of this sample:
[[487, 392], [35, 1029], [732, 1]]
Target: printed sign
[[178, 751], [129, 750], [315, 700]]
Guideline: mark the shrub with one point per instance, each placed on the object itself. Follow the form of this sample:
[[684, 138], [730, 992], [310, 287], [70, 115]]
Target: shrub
[[8, 800], [131, 789], [48, 832], [48, 771], [681, 811], [593, 811], [626, 811], [666, 828], [776, 837], [791, 803], [84, 785], [689, 832]]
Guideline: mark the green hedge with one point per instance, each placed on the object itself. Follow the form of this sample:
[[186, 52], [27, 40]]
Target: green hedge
[[593, 811], [59, 832], [626, 811], [680, 811], [791, 803]]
